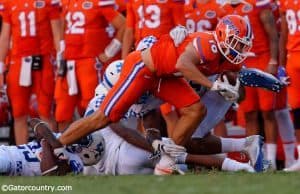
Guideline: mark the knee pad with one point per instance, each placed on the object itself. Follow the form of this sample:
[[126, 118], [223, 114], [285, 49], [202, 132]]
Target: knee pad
[[296, 115]]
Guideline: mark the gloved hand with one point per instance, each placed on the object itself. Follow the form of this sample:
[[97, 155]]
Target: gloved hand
[[178, 34], [167, 147], [228, 91], [61, 153]]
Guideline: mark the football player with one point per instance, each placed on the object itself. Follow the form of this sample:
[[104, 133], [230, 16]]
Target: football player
[[289, 54], [89, 47], [34, 30], [151, 17], [265, 47]]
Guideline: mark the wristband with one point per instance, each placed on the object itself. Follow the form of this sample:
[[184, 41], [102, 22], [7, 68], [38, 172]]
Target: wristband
[[1, 67], [113, 48]]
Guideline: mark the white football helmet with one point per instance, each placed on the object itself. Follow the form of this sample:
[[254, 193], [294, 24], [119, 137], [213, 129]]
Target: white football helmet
[[91, 148], [112, 74], [100, 90]]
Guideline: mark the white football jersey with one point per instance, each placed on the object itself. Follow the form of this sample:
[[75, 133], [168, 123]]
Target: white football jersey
[[24, 160]]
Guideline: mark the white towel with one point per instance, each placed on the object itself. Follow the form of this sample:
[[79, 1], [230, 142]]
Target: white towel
[[25, 74], [71, 78]]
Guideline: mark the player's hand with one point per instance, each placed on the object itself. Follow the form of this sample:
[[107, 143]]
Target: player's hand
[[178, 34], [167, 147], [282, 76], [103, 58], [228, 91]]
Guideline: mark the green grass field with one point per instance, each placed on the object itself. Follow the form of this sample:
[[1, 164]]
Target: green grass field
[[206, 183]]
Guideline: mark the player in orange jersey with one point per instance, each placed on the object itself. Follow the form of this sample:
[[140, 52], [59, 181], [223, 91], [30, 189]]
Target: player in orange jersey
[[289, 55], [152, 17], [265, 48], [33, 27], [202, 15], [87, 45], [199, 55]]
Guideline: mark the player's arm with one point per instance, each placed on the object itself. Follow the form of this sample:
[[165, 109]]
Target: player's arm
[[57, 32], [186, 64], [267, 19], [4, 42], [283, 39], [128, 39], [132, 136], [117, 20]]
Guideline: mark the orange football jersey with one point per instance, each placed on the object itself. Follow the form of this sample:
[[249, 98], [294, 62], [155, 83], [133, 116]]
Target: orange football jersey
[[251, 11], [30, 24], [154, 17], [202, 16], [291, 9], [86, 26], [210, 59]]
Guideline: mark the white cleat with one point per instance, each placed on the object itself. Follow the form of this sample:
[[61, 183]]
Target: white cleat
[[166, 166], [247, 167], [295, 167], [253, 148]]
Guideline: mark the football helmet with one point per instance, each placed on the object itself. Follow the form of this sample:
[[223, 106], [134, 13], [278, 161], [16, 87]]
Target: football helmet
[[234, 38], [112, 74], [146, 42], [90, 149]]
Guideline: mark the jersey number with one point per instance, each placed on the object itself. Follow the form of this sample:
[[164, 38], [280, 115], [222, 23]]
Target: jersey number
[[153, 11], [75, 22], [200, 26], [29, 156], [292, 19], [27, 22]]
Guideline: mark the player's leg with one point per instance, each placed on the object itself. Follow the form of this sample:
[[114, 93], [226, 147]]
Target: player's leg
[[44, 89], [177, 92], [19, 99], [267, 105], [135, 79], [285, 127]]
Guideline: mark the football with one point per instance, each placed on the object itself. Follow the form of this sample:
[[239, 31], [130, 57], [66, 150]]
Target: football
[[232, 77]]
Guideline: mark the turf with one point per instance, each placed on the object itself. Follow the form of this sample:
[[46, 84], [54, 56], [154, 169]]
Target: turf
[[206, 183]]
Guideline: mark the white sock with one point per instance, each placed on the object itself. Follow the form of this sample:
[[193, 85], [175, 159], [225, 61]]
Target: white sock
[[285, 125], [289, 152], [298, 150], [232, 144], [271, 153], [232, 165]]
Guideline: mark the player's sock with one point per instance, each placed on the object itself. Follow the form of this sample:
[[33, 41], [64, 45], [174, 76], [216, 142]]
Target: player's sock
[[271, 154], [298, 150], [232, 144], [285, 125], [289, 151], [232, 165]]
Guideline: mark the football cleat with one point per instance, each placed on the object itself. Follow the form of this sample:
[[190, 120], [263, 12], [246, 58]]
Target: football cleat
[[254, 150], [167, 166], [295, 167]]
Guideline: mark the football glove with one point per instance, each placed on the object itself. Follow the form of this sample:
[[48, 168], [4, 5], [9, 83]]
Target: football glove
[[178, 34], [228, 91]]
